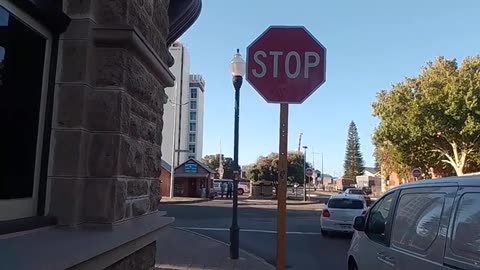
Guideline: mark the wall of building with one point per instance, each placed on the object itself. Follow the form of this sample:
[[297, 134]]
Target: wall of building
[[165, 183], [107, 120], [179, 98], [200, 122], [197, 84]]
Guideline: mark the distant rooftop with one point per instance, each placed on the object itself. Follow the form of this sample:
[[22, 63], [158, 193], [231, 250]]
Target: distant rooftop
[[196, 80], [371, 170]]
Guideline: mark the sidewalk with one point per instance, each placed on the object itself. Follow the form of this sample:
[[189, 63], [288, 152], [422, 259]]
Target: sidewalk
[[180, 249], [180, 200], [274, 202]]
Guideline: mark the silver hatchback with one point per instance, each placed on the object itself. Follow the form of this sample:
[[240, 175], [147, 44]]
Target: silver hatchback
[[431, 224]]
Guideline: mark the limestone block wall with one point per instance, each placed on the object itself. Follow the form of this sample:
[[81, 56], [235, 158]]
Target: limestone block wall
[[107, 126]]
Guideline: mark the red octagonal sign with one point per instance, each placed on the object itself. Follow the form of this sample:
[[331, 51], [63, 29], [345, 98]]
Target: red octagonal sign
[[286, 64]]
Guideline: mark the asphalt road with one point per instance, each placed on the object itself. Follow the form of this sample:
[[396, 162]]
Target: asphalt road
[[306, 248]]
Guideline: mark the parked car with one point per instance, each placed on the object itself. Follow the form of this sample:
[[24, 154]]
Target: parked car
[[242, 187], [422, 225], [340, 212], [359, 191], [367, 190]]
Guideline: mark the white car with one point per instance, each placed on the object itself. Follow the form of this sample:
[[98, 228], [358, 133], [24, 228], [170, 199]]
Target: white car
[[340, 212], [242, 187]]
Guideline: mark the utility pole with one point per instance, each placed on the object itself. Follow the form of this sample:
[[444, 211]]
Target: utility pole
[[313, 157], [299, 142], [174, 146], [305, 173]]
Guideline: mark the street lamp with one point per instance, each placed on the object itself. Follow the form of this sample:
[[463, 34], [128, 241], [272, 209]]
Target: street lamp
[[305, 173], [237, 68], [172, 166]]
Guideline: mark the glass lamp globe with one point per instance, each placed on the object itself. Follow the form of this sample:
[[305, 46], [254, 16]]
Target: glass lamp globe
[[237, 65]]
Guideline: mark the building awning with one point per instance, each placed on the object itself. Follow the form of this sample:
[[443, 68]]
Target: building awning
[[193, 168], [191, 175]]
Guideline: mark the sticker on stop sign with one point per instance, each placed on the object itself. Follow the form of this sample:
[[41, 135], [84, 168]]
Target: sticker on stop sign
[[286, 64]]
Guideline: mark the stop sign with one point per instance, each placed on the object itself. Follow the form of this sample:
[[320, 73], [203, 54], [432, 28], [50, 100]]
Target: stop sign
[[286, 64]]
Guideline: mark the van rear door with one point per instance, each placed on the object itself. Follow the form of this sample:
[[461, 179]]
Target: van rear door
[[419, 225], [463, 242]]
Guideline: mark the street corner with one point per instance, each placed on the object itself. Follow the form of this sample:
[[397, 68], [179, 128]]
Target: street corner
[[182, 200], [202, 252]]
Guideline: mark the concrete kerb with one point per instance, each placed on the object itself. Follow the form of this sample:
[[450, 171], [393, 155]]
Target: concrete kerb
[[175, 201], [274, 202], [261, 260]]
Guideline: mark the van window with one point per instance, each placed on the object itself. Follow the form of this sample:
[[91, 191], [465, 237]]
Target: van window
[[378, 218], [417, 220], [345, 203], [466, 231]]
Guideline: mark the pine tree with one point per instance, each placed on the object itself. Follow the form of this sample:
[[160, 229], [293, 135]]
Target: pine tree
[[353, 164]]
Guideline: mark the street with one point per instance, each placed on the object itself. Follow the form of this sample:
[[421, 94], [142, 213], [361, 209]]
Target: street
[[306, 248]]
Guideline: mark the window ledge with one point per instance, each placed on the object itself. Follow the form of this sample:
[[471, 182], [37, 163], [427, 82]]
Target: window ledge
[[63, 247], [24, 224]]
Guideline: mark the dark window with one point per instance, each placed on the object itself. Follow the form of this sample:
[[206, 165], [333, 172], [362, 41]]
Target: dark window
[[466, 231], [22, 59], [356, 191], [193, 93], [192, 137], [191, 148], [417, 220], [193, 105], [193, 116], [345, 203], [378, 218], [193, 126]]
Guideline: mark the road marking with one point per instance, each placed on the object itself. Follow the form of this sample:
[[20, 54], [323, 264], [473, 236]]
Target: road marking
[[245, 230]]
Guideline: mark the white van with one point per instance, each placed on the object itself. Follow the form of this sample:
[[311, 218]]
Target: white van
[[429, 224], [242, 187]]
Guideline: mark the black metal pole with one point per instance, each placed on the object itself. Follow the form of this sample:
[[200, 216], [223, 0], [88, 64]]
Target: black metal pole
[[234, 229]]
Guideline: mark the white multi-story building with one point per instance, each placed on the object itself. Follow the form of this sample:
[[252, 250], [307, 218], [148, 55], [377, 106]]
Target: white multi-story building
[[183, 138], [195, 132]]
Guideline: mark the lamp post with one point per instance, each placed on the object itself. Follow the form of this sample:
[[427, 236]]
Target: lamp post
[[172, 166], [237, 68], [305, 173]]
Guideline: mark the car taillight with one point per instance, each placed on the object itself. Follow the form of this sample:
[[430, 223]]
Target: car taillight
[[325, 213]]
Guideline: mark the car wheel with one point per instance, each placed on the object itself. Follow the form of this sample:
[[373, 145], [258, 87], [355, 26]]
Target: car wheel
[[240, 191], [324, 233]]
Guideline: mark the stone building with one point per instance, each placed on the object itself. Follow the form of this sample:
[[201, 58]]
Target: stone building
[[83, 93]]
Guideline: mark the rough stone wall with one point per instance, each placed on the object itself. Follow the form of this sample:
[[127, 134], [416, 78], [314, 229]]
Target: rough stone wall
[[107, 126], [143, 259]]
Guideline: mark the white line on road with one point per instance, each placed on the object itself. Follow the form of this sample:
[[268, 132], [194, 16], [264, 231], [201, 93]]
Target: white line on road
[[245, 230]]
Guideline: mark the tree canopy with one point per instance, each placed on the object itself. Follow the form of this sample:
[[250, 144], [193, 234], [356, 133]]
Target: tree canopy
[[266, 168], [353, 164], [432, 120], [213, 162]]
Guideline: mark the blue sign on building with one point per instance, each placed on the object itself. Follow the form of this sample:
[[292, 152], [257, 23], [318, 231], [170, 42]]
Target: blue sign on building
[[191, 167]]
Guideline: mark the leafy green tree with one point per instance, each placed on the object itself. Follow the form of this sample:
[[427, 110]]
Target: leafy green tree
[[353, 164], [433, 119], [266, 168], [213, 162]]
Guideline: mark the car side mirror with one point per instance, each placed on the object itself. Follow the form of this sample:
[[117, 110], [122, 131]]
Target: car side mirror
[[359, 223]]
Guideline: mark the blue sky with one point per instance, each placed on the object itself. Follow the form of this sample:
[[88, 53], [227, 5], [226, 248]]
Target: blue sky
[[370, 45]]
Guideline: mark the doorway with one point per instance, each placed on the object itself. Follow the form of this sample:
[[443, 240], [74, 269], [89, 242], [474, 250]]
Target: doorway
[[24, 63]]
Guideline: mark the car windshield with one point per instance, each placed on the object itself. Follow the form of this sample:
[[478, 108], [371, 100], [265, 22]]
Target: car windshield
[[345, 203]]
